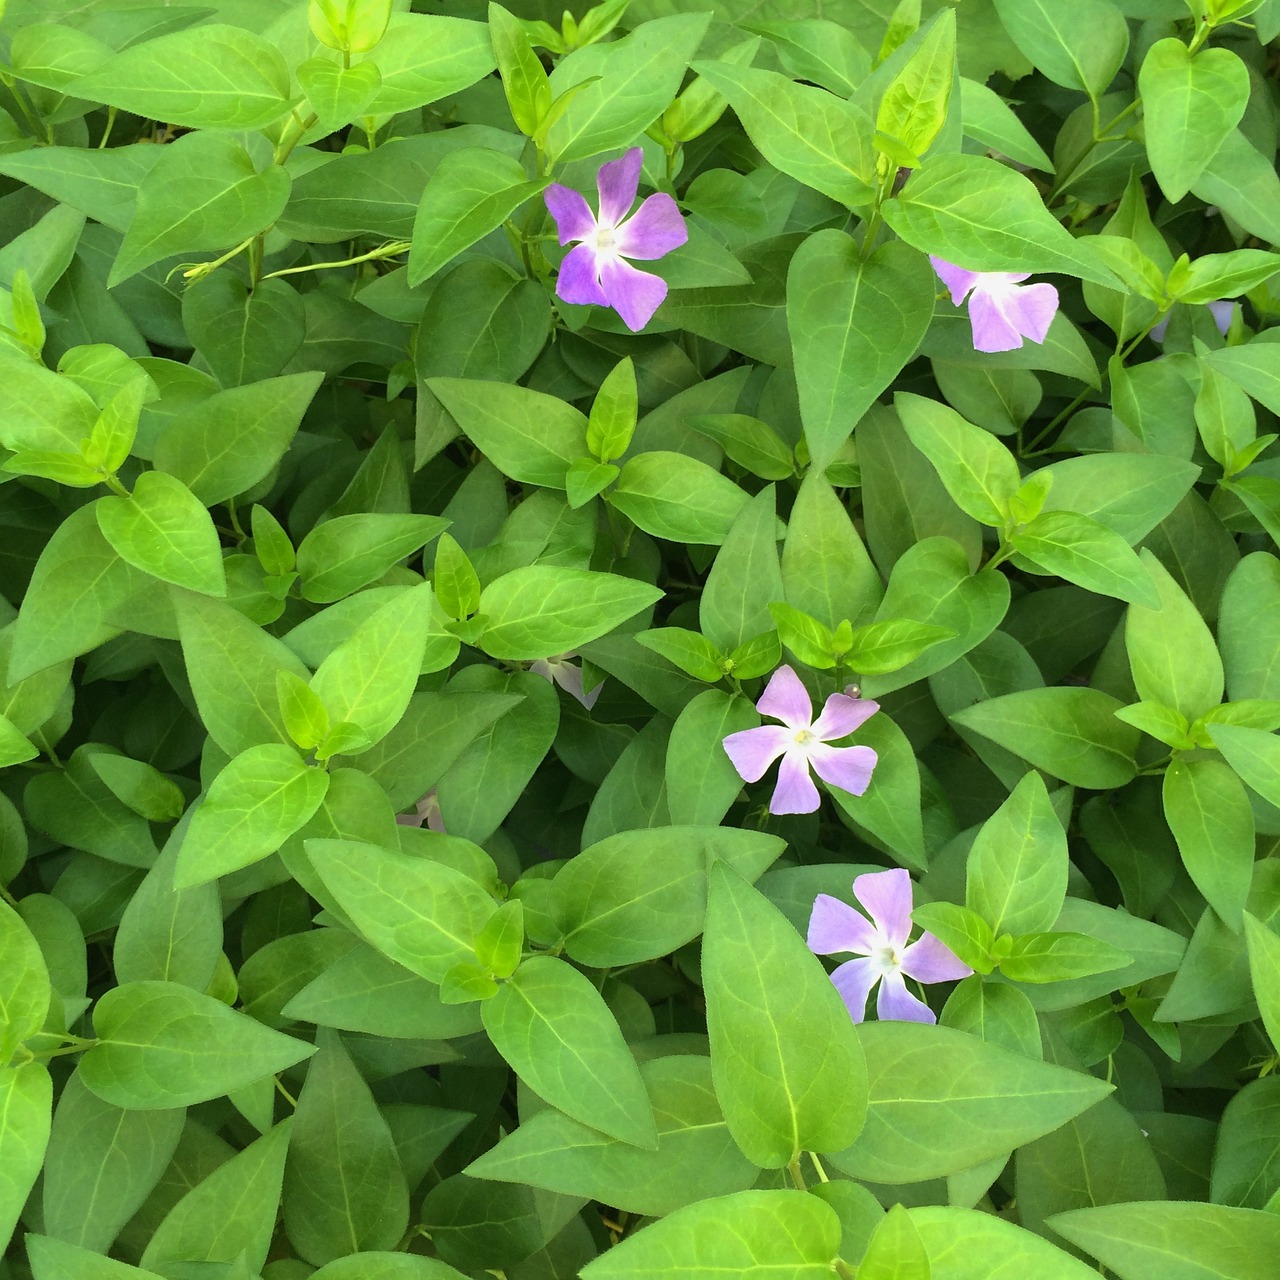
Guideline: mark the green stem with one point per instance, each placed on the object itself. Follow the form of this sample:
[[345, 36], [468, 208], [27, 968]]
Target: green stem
[[386, 251], [198, 272], [257, 249], [797, 1174], [291, 137], [842, 1269], [106, 133], [817, 1164], [8, 897], [288, 1097]]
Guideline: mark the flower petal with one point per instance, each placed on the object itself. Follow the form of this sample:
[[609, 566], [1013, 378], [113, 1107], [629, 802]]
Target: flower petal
[[848, 768], [617, 182], [1222, 310], [795, 792], [854, 980], [569, 678], [836, 926], [842, 715], [634, 295], [896, 1004], [577, 280], [785, 698], [887, 898], [752, 751], [1032, 308], [993, 330], [655, 228], [573, 217], [929, 959], [1159, 329], [957, 279]]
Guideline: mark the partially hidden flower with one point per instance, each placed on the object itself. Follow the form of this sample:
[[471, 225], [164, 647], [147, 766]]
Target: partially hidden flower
[[596, 271], [1002, 310], [885, 956], [1221, 309], [802, 741], [559, 670], [426, 813]]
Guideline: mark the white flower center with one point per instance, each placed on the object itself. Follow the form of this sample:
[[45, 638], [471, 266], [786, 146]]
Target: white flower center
[[886, 959], [605, 240], [802, 737]]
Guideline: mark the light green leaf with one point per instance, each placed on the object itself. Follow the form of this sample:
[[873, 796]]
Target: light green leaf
[[1086, 553], [1077, 45], [674, 496], [349, 552], [26, 1102], [24, 983]]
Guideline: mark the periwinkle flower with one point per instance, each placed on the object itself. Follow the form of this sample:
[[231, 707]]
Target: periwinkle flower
[[1002, 310], [885, 956], [559, 670], [596, 271], [802, 741], [426, 813]]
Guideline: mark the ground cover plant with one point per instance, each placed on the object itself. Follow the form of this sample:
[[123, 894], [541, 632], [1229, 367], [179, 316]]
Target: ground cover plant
[[642, 643]]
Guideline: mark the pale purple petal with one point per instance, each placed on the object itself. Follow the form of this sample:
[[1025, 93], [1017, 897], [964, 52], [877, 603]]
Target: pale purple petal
[[569, 678], [848, 768], [896, 1004], [842, 715], [1159, 329], [577, 280], [785, 698], [887, 898], [957, 279], [617, 182], [836, 926], [409, 819], [854, 980], [573, 217], [993, 329], [1031, 308], [435, 821], [1222, 310], [634, 295], [795, 792], [655, 228], [929, 959], [752, 751]]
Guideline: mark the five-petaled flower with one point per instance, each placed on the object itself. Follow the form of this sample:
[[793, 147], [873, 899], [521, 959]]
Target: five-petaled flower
[[881, 945], [595, 272], [1002, 310], [559, 670], [802, 741]]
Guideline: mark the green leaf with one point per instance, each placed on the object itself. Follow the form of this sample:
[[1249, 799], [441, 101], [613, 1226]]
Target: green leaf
[[527, 435], [926, 1123], [674, 496], [524, 79], [426, 57], [231, 441], [1208, 812], [1087, 553], [203, 193], [638, 895], [251, 808], [1191, 102], [1071, 733], [752, 444], [689, 650], [216, 77], [1253, 754], [1179, 1240], [26, 1102], [102, 1164], [1264, 971], [914, 106], [784, 1054], [895, 1251], [1130, 493], [472, 192], [338, 94], [246, 336], [420, 913], [882, 647], [854, 323], [454, 579], [144, 789], [164, 530], [586, 478], [1016, 872], [349, 552], [701, 781], [779, 1234], [541, 610], [1171, 651], [1059, 957], [368, 680], [1160, 722], [613, 413], [163, 1045], [639, 75], [984, 216], [344, 1189], [14, 746], [552, 1025], [233, 666], [24, 983], [978, 471], [988, 119], [1077, 45], [746, 577], [967, 934], [232, 1212], [810, 134]]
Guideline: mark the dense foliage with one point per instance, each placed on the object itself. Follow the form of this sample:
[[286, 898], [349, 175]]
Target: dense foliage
[[521, 535]]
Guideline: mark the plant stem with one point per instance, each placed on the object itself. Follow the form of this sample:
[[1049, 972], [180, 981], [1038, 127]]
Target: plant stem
[[386, 251], [797, 1174]]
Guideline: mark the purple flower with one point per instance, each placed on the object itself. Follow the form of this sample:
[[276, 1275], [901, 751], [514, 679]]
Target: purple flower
[[1222, 309], [426, 811], [561, 671], [595, 272], [882, 941], [803, 743], [1002, 310]]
